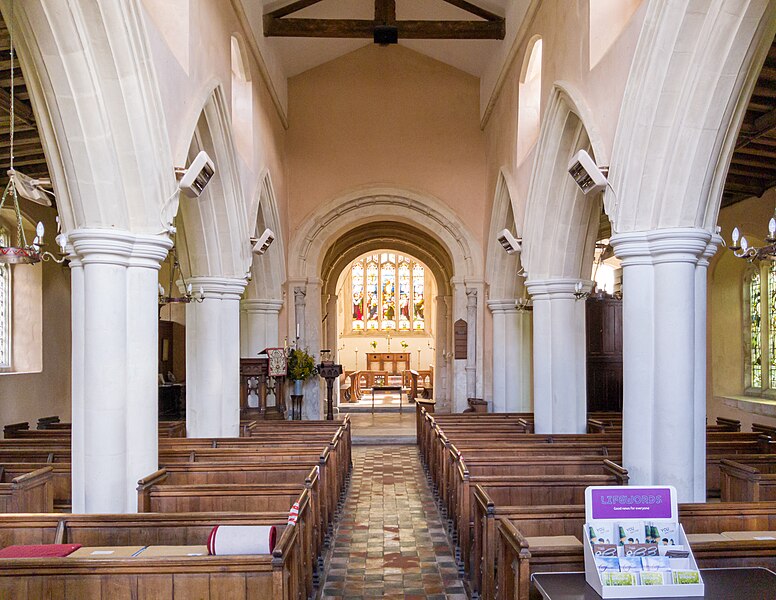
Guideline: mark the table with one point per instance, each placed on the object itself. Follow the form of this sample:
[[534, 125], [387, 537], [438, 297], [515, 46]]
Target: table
[[720, 584], [386, 388]]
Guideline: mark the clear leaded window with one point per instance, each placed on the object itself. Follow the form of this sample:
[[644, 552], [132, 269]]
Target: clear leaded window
[[5, 306], [388, 291]]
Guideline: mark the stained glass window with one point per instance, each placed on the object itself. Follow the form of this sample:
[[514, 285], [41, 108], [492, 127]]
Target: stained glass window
[[387, 293], [372, 285], [404, 293], [388, 275], [772, 326], [5, 306], [357, 277], [755, 313], [418, 289]]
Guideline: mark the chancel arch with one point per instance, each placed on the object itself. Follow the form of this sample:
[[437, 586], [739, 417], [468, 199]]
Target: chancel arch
[[561, 227], [511, 324], [432, 225]]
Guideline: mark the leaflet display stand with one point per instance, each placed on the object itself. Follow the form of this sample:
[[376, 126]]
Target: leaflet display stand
[[620, 504]]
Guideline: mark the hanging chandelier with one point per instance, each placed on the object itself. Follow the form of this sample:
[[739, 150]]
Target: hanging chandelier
[[31, 189], [742, 249], [188, 295]]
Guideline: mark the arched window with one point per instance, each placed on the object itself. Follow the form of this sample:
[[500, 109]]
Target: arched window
[[5, 306], [388, 293], [529, 101], [760, 319], [242, 102]]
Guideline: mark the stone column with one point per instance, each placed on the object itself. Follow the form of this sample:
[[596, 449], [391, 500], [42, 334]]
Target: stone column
[[699, 412], [662, 297], [331, 325], [115, 347], [300, 302], [471, 343], [213, 358], [261, 326], [442, 358], [560, 394], [511, 357]]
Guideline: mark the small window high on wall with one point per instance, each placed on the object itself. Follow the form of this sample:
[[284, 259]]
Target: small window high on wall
[[529, 100], [242, 102], [608, 19]]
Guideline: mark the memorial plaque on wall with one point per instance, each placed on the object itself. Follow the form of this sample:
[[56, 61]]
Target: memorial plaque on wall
[[460, 343]]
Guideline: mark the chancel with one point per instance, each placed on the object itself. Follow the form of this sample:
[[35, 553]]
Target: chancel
[[309, 299]]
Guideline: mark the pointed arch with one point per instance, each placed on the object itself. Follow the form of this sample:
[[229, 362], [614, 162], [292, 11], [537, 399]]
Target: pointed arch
[[213, 228], [97, 103], [501, 269], [561, 223], [269, 270], [693, 72]]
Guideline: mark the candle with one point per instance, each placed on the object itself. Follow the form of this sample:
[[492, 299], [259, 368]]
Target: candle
[[297, 331]]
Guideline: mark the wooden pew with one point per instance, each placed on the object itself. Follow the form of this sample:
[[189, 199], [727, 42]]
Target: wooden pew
[[519, 554], [279, 576], [750, 481], [567, 520], [32, 491]]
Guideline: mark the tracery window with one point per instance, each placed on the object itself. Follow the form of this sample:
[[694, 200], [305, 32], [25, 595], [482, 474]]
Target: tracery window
[[760, 306], [388, 293], [5, 306]]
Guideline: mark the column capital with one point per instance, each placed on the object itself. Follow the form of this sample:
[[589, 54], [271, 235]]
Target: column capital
[[505, 305], [119, 247], [261, 305], [711, 250], [669, 245], [560, 288], [221, 288]]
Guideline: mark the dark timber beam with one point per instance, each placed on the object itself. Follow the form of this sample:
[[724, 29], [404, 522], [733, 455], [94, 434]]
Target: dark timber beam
[[475, 10], [762, 126], [408, 30], [22, 112], [385, 12], [292, 8]]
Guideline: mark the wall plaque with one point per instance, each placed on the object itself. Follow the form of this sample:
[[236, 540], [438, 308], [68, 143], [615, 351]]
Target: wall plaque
[[460, 339]]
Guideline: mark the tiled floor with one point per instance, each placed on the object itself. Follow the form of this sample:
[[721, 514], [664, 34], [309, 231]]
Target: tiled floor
[[390, 542], [383, 424]]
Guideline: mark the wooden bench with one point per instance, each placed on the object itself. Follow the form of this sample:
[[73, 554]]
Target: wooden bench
[[31, 491], [567, 520], [752, 481], [280, 576], [519, 555]]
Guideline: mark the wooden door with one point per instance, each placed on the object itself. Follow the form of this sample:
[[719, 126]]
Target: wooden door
[[604, 353]]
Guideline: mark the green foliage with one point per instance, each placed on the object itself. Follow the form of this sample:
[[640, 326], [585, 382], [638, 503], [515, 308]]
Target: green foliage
[[301, 364]]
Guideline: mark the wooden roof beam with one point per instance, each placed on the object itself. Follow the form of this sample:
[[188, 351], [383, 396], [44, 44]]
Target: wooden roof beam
[[385, 12], [408, 30], [22, 112], [291, 8], [475, 10]]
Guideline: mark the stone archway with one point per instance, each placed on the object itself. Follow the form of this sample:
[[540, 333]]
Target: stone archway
[[432, 223]]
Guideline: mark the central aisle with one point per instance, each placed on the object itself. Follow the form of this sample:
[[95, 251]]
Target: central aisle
[[390, 542]]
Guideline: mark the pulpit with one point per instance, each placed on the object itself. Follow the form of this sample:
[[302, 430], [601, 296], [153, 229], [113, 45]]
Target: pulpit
[[256, 387]]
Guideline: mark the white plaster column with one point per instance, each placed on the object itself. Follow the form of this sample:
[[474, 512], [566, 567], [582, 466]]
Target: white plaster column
[[511, 357], [77, 467], [213, 358], [331, 325], [662, 297], [312, 317], [560, 394], [300, 302], [259, 326], [115, 338], [699, 412], [471, 343]]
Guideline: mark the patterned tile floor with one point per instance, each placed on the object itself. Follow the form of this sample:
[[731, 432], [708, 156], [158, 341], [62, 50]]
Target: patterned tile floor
[[390, 542]]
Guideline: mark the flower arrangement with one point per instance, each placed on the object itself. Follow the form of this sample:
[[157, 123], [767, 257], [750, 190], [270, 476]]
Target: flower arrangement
[[404, 344], [373, 343], [301, 364]]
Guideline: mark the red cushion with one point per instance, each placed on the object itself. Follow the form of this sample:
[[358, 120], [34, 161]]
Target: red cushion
[[41, 551]]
